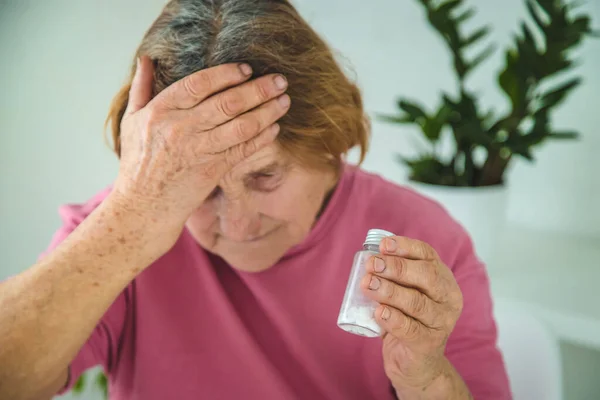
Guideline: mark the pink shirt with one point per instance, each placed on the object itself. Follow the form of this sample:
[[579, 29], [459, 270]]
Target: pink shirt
[[191, 327]]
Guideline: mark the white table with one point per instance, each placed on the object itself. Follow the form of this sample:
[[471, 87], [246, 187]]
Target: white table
[[556, 277]]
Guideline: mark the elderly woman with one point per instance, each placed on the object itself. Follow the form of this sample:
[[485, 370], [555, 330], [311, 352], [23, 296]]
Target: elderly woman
[[215, 265]]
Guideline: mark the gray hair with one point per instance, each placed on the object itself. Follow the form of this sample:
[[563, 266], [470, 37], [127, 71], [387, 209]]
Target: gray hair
[[191, 35], [326, 118]]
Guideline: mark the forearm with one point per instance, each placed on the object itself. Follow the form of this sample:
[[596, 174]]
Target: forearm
[[449, 385], [48, 311]]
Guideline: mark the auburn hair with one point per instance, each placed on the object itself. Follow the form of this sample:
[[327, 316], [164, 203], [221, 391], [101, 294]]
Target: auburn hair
[[326, 118]]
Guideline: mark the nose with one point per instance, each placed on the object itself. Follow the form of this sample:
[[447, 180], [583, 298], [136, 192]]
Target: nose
[[237, 220]]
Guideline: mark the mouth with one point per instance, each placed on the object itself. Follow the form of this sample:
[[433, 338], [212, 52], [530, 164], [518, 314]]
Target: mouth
[[253, 240]]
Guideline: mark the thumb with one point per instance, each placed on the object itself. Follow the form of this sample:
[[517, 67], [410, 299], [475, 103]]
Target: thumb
[[140, 92]]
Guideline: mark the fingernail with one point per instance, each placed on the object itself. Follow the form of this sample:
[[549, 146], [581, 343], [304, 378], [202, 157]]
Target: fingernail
[[246, 69], [284, 100], [390, 245], [280, 82], [375, 283], [378, 264], [385, 314]]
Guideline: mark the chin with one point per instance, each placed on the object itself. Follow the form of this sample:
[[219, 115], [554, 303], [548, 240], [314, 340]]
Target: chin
[[248, 263], [247, 256]]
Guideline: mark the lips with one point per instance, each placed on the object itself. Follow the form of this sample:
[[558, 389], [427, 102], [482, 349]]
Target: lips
[[253, 239]]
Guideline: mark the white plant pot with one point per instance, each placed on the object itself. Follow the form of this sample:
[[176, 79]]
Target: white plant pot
[[480, 210]]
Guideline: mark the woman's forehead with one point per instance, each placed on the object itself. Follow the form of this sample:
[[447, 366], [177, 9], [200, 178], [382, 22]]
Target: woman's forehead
[[267, 160]]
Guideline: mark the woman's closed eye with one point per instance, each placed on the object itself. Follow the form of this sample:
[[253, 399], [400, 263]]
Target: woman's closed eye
[[265, 181]]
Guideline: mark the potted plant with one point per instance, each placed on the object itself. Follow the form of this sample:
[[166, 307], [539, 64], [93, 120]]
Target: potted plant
[[471, 181]]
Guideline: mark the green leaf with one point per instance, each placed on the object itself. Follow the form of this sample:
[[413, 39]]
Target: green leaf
[[557, 95], [569, 135], [443, 114], [464, 16], [80, 384], [473, 133], [510, 82], [481, 57], [477, 35], [538, 132], [529, 40], [556, 63], [524, 152], [447, 7], [428, 169], [405, 119], [535, 16], [548, 6], [531, 62], [414, 110], [102, 383], [571, 35], [433, 126], [582, 25]]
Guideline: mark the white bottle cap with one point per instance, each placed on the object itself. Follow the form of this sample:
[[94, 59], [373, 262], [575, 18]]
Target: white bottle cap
[[375, 236]]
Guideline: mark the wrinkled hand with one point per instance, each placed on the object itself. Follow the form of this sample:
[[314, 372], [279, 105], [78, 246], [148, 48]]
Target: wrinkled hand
[[176, 146], [420, 304]]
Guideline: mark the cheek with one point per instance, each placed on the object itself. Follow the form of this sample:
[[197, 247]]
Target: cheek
[[289, 204], [203, 219]]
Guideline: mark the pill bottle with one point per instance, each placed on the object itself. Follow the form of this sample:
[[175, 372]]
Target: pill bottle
[[357, 311]]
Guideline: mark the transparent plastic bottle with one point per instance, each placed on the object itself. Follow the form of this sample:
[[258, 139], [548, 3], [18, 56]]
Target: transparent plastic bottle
[[357, 311]]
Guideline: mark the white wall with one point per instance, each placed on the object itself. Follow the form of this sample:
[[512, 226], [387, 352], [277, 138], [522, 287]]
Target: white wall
[[62, 61]]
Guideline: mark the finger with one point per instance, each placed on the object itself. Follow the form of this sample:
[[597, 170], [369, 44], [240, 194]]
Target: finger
[[407, 247], [425, 276], [400, 325], [197, 87], [140, 92], [234, 155], [244, 127], [408, 300], [227, 105]]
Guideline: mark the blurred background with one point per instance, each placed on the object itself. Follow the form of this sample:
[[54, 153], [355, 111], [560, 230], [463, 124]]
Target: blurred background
[[63, 60]]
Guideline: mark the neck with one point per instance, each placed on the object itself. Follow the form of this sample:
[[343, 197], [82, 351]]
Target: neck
[[333, 179]]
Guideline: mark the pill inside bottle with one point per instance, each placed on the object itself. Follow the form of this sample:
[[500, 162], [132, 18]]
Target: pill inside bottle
[[357, 314]]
